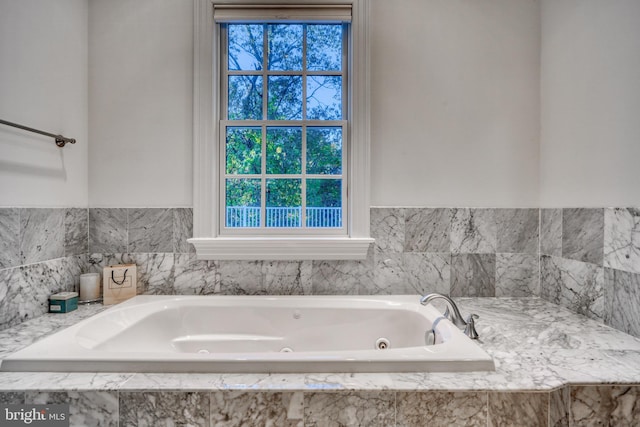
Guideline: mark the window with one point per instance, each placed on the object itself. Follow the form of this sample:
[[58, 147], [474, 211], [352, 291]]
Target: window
[[281, 144], [283, 102]]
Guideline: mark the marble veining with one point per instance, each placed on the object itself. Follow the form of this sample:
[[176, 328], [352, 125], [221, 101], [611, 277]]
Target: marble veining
[[559, 405], [573, 284], [389, 276], [241, 277], [182, 230], [164, 409], [551, 232], [428, 272], [241, 408], [340, 277], [24, 290], [547, 326], [585, 367], [605, 405], [622, 239], [9, 237], [473, 275], [90, 408], [150, 230], [183, 274], [388, 228], [518, 409], [41, 234], [517, 230], [473, 231], [583, 234], [60, 381], [441, 409], [349, 408], [76, 231], [517, 275], [287, 277], [107, 230], [408, 273], [156, 273], [11, 398], [624, 314], [427, 230], [26, 333], [193, 276]]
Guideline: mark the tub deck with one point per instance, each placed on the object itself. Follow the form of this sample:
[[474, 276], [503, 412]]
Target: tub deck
[[546, 359]]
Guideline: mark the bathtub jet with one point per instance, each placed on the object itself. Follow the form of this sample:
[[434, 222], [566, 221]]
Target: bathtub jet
[[258, 334]]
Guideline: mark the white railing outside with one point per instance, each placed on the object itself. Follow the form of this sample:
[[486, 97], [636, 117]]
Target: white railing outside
[[286, 217], [324, 217]]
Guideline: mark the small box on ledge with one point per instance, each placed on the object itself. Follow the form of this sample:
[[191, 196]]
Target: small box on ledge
[[63, 302]]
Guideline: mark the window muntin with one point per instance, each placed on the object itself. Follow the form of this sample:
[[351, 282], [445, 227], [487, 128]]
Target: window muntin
[[284, 129]]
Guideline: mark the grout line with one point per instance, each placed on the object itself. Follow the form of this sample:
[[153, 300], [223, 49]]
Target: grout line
[[127, 230], [488, 414]]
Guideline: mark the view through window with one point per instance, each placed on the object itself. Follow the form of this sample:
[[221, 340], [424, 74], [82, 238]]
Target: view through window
[[284, 126]]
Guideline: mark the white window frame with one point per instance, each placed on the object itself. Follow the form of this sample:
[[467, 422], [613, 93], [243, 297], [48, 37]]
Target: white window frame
[[303, 124], [207, 240]]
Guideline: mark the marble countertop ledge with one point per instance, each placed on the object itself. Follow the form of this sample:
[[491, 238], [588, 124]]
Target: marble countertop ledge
[[536, 346]]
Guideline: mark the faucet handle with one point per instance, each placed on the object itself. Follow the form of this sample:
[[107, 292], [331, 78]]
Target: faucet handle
[[470, 328]]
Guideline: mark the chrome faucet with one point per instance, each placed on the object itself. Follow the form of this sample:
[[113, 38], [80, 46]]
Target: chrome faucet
[[452, 313]]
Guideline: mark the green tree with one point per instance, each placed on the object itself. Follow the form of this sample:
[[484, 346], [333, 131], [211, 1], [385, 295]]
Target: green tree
[[284, 44]]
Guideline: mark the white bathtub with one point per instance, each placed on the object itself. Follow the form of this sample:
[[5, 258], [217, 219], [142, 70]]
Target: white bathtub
[[257, 334]]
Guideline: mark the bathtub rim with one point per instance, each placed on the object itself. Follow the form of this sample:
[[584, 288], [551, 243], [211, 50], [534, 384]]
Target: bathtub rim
[[407, 359]]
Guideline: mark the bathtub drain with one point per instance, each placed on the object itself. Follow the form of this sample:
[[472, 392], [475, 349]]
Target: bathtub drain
[[286, 350], [382, 344]]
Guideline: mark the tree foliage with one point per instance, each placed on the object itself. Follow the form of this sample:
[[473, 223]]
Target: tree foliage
[[284, 45]]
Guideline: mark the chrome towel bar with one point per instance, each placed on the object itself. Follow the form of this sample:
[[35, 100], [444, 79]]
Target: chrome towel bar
[[60, 140]]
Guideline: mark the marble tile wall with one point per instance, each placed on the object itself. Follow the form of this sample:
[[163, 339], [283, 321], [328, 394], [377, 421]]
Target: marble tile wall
[[140, 230], [457, 251], [42, 251], [584, 259], [464, 252], [590, 263], [568, 406]]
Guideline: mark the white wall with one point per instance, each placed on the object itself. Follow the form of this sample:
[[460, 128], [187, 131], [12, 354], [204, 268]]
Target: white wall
[[455, 91], [590, 91], [455, 102], [140, 111], [43, 84], [455, 106]]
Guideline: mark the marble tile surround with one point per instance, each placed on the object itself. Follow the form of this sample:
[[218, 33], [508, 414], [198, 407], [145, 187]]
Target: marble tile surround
[[414, 253], [33, 235], [590, 263], [24, 290], [458, 251], [615, 405], [140, 230], [417, 250], [42, 251]]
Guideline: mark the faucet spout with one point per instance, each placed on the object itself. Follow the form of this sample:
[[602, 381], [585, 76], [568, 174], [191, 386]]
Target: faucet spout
[[453, 313]]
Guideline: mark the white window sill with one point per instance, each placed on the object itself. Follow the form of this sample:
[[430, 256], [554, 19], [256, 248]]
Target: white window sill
[[281, 248]]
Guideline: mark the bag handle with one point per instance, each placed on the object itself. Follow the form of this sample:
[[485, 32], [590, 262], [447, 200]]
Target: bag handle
[[124, 277]]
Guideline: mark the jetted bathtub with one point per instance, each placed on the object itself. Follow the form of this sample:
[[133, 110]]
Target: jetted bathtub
[[258, 334]]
